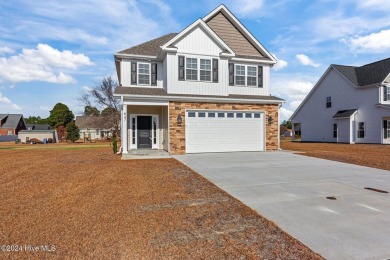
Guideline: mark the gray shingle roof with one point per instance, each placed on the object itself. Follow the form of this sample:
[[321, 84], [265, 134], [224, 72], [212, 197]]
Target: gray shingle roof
[[38, 126], [162, 92], [11, 121], [149, 48], [344, 113], [368, 74], [97, 122]]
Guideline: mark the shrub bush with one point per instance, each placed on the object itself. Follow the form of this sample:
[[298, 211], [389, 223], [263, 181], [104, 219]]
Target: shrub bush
[[114, 143]]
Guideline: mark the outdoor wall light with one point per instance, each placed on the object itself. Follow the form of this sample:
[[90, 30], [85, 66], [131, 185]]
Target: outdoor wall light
[[270, 120], [179, 119]]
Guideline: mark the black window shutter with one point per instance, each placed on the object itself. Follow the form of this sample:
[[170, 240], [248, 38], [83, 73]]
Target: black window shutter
[[134, 73], [215, 70], [231, 74], [181, 67], [154, 74], [260, 76], [384, 93], [385, 129]]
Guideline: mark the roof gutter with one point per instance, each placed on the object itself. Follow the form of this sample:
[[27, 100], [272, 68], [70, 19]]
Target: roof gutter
[[202, 99]]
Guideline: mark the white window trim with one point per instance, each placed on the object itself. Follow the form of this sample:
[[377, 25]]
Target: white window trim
[[150, 74], [364, 129], [246, 76], [198, 69]]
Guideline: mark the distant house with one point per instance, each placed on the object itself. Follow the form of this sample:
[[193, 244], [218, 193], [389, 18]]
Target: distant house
[[49, 135], [347, 105], [38, 127], [11, 124], [93, 127], [287, 133]]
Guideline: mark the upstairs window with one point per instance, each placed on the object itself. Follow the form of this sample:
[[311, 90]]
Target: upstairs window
[[386, 93], [205, 70], [246, 75], [328, 102], [191, 69], [143, 73], [252, 76], [361, 130]]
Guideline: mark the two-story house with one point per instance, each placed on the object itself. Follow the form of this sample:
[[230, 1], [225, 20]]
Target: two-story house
[[347, 105], [11, 124], [205, 89]]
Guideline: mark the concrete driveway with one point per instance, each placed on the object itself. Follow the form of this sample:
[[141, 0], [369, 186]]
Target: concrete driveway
[[291, 190]]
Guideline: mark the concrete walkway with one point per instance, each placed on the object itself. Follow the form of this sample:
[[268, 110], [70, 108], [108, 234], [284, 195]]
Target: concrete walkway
[[291, 190]]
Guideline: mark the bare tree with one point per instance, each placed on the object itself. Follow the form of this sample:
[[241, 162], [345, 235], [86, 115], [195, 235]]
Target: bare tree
[[103, 96]]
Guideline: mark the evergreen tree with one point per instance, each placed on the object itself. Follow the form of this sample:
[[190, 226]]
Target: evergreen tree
[[73, 132]]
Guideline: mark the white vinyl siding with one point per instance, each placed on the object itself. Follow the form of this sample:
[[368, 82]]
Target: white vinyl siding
[[245, 75], [143, 73]]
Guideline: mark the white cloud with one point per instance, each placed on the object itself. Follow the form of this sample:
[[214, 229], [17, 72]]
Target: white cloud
[[6, 103], [373, 43], [244, 8], [281, 64], [285, 114], [45, 108], [6, 50], [379, 5], [86, 88], [41, 64], [306, 61]]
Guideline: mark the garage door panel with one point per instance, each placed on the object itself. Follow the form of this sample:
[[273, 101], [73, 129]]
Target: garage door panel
[[214, 134]]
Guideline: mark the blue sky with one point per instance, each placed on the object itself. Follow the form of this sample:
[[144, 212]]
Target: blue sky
[[51, 51]]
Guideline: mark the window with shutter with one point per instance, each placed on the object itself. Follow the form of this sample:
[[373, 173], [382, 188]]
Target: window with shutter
[[205, 70], [191, 69], [386, 93], [181, 68], [143, 73]]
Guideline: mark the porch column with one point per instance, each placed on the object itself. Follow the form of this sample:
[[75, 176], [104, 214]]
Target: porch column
[[124, 129]]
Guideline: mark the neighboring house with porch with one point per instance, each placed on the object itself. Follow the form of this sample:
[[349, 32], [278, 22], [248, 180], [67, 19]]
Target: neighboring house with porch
[[205, 89], [93, 127], [11, 124], [347, 105]]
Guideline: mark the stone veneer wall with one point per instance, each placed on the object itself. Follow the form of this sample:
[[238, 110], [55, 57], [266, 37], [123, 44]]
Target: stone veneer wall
[[177, 132]]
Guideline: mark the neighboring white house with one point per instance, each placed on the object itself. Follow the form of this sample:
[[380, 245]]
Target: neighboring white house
[[93, 128], [347, 105], [205, 89]]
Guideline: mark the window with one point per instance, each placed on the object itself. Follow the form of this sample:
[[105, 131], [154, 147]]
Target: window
[[328, 102], [205, 70], [191, 69], [97, 131], [211, 114], [334, 130], [144, 74], [246, 75], [191, 114], [221, 114], [239, 115], [252, 76], [230, 115], [154, 131], [9, 132], [202, 114], [248, 115], [240, 75], [133, 128], [387, 93], [361, 130], [257, 115], [388, 129]]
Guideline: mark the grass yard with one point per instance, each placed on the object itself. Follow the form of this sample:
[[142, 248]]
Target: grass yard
[[371, 155], [90, 204]]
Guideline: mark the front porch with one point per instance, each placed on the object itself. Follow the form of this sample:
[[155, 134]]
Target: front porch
[[145, 130]]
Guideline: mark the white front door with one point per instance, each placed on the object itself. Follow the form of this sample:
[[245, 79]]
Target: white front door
[[224, 131]]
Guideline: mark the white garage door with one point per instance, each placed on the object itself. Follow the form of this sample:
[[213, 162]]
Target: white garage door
[[224, 131]]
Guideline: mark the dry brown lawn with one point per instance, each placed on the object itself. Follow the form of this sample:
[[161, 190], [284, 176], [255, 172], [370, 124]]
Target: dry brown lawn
[[371, 155], [90, 204]]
